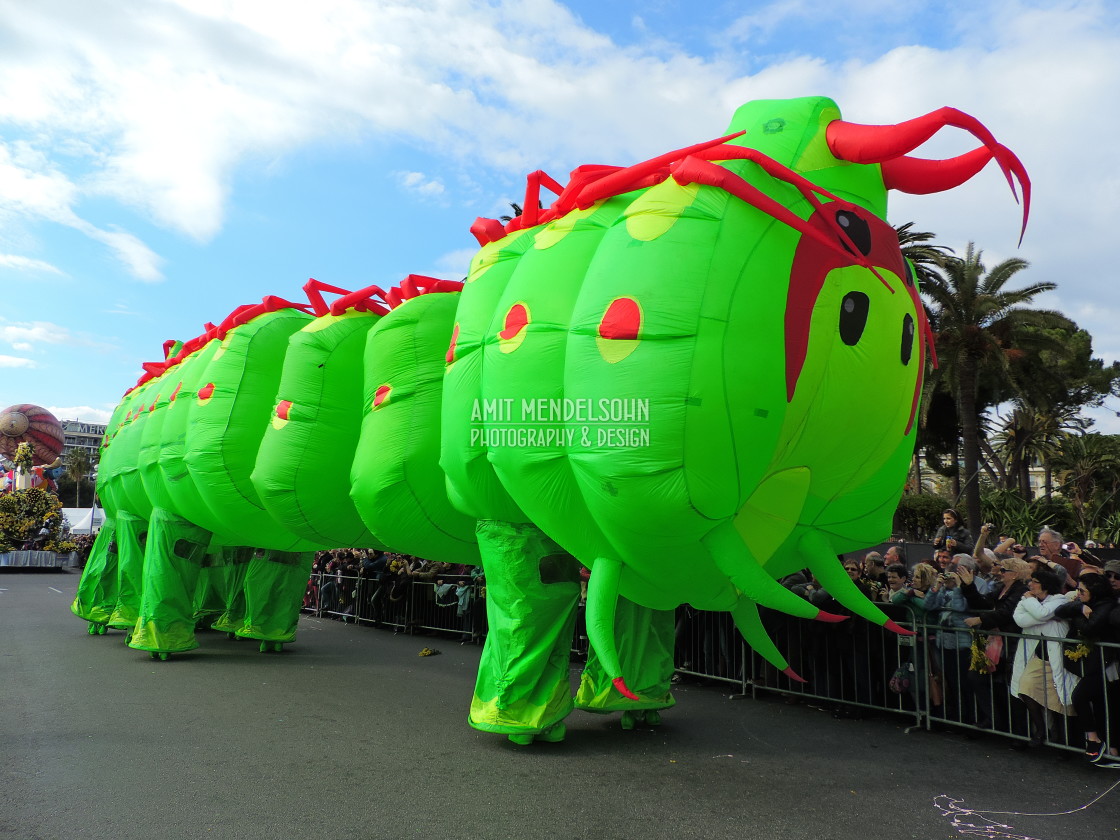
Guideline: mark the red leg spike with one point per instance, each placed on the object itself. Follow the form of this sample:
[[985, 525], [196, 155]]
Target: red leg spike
[[899, 629], [620, 684], [793, 675], [830, 618]]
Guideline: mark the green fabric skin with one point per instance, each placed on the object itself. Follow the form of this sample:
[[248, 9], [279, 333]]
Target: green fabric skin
[[646, 639], [472, 484], [396, 484], [185, 498], [274, 585], [302, 472], [235, 561], [132, 534], [123, 489], [727, 446], [523, 684], [97, 590], [173, 561], [225, 430]]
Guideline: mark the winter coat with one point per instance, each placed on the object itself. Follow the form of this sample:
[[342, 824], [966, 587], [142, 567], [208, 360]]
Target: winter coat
[[1037, 621]]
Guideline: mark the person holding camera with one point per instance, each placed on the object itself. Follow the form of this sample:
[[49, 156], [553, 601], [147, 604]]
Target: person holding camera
[[954, 639]]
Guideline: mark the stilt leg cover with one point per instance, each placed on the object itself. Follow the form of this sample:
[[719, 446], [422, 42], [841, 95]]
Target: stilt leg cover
[[532, 592], [172, 562], [645, 640], [132, 534], [275, 582], [97, 590]]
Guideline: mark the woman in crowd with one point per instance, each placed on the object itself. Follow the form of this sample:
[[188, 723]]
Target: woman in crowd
[[954, 638], [1095, 617], [1039, 677], [994, 614], [953, 535]]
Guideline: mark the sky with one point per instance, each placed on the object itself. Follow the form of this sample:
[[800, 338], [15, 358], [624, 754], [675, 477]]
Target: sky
[[163, 163]]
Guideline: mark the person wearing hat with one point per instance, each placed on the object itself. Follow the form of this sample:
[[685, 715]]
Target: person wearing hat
[[1112, 573]]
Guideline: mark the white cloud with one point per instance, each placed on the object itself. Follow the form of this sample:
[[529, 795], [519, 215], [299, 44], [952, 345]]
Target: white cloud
[[15, 362], [454, 265], [32, 336], [28, 264], [421, 184], [84, 413]]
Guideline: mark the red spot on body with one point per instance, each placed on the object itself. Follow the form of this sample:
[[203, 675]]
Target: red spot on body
[[516, 320], [175, 393], [622, 320], [380, 395], [152, 407], [283, 409], [206, 391], [451, 349]]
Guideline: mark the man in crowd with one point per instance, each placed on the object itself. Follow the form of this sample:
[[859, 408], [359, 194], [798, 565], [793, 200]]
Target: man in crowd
[[1050, 547]]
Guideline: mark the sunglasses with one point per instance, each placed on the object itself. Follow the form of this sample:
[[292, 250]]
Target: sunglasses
[[1112, 575]]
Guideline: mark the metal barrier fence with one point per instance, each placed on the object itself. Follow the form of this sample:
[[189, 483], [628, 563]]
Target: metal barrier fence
[[850, 666], [454, 606]]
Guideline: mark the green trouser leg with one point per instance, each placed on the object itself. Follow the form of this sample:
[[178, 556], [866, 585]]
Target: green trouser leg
[[532, 592], [275, 582], [173, 559], [212, 594], [132, 534], [645, 641], [236, 562], [97, 590]]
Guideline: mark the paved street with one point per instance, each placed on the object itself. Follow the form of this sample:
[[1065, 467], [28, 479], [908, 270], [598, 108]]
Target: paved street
[[349, 734]]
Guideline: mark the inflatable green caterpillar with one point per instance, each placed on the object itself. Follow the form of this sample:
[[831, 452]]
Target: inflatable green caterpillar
[[694, 376]]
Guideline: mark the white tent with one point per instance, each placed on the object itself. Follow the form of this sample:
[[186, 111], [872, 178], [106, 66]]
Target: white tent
[[80, 519]]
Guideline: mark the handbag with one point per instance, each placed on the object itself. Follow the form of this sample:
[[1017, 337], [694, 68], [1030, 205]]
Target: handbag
[[900, 680], [994, 649]]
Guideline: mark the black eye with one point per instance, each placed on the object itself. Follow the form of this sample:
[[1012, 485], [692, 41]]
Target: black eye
[[909, 276], [853, 317], [857, 229], [907, 339]]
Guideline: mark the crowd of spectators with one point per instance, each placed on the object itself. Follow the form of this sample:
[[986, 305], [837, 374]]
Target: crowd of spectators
[[1007, 639], [377, 587]]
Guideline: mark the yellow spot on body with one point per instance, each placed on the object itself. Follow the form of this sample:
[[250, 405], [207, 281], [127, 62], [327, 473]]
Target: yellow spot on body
[[614, 350], [326, 321], [278, 423], [555, 231], [657, 209], [490, 254]]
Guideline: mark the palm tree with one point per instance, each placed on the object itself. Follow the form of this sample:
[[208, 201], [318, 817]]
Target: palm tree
[[979, 328], [925, 258], [1033, 435], [1088, 467], [77, 464]]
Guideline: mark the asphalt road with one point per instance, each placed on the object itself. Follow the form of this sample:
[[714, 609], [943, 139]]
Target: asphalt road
[[349, 734]]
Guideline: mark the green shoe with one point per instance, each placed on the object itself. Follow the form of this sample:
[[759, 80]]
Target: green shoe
[[554, 734]]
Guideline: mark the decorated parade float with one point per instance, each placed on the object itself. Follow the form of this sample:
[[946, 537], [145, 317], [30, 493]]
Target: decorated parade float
[[660, 376]]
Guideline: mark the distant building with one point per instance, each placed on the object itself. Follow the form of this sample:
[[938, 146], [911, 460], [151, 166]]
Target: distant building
[[82, 435]]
